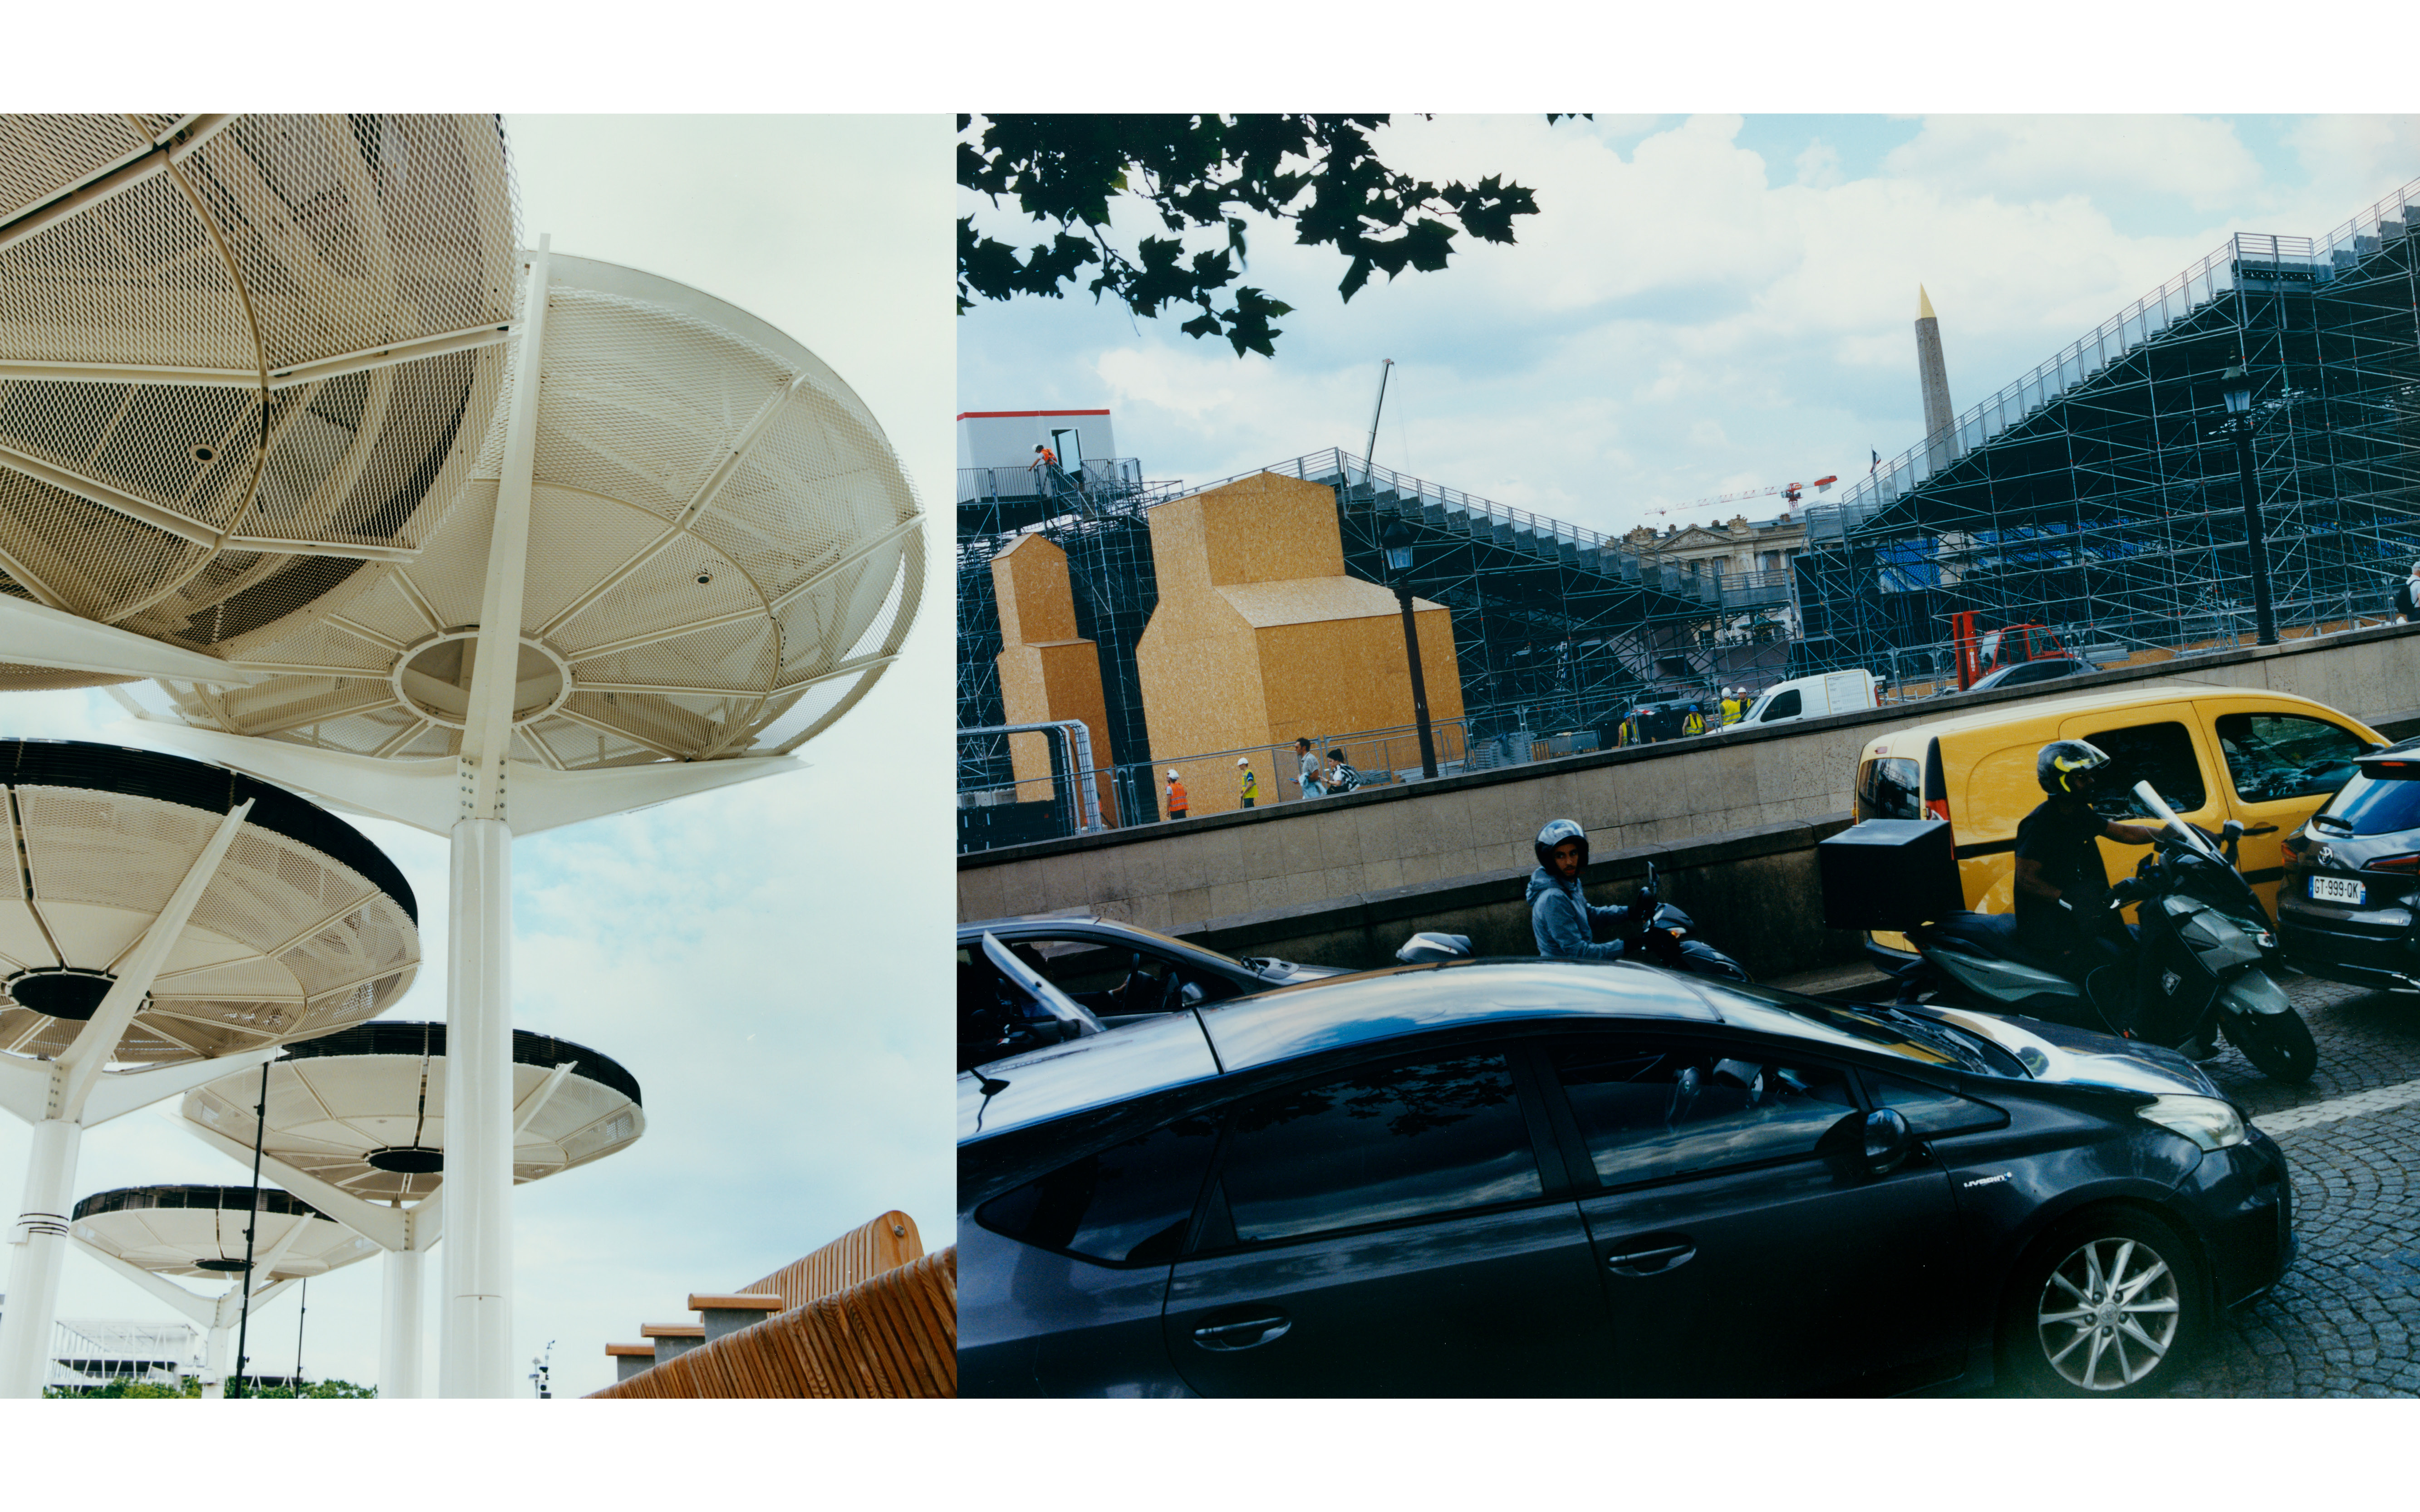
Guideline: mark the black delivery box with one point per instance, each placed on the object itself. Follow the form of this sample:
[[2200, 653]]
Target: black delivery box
[[1889, 873]]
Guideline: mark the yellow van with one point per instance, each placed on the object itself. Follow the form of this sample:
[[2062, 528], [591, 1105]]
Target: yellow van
[[2214, 753]]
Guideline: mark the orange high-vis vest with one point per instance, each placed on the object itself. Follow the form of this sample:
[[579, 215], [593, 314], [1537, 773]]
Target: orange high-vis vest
[[1176, 796]]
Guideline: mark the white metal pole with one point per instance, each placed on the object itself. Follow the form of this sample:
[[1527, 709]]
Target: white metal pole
[[40, 1245], [475, 1358], [475, 1340], [399, 1326]]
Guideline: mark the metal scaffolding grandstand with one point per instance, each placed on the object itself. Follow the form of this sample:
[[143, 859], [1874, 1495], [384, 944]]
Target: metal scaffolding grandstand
[[2097, 493]]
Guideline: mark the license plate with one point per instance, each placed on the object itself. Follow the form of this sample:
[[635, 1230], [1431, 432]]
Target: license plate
[[2335, 890]]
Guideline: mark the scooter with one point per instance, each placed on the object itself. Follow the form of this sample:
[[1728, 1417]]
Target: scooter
[[2199, 969], [1658, 932]]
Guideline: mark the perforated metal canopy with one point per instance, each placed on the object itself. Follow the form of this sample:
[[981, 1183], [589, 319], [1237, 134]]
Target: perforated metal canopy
[[725, 554], [306, 926], [199, 1231], [245, 360], [365, 1109]]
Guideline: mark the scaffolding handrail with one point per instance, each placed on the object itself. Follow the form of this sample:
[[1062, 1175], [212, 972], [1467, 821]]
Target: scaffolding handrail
[[2131, 328]]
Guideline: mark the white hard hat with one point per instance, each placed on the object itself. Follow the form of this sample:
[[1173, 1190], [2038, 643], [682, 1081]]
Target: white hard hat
[[1243, 761], [1171, 771]]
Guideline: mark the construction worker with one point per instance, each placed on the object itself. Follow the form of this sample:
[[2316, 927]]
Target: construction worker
[[1693, 724], [1732, 710], [1176, 794], [1244, 777]]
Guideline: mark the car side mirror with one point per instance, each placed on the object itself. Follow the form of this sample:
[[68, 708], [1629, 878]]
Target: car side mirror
[[1888, 1141], [2231, 832]]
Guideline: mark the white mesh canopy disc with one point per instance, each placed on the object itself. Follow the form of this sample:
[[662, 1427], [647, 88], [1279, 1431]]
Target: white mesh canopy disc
[[305, 927], [723, 555], [365, 1109], [245, 360], [199, 1231]]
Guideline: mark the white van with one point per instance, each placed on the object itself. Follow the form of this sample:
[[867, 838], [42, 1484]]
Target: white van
[[1809, 698]]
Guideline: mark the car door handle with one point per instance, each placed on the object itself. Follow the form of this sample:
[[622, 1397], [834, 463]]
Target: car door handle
[[1243, 1334], [2262, 829], [1652, 1259]]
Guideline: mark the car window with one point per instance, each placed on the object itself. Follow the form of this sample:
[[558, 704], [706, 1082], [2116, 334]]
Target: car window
[[1785, 704], [1890, 787], [1929, 1110], [1127, 1205], [1650, 1111], [2272, 756], [2037, 672], [1381, 1144], [2161, 754]]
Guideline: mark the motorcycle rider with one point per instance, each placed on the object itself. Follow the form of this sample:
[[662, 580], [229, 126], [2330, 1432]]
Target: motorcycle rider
[[1561, 917], [2062, 889]]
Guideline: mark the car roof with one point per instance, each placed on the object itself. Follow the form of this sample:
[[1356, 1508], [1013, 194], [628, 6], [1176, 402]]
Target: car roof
[[1288, 1023], [2064, 704]]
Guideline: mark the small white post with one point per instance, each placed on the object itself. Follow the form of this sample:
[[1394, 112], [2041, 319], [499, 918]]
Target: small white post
[[40, 1245], [399, 1326], [214, 1354]]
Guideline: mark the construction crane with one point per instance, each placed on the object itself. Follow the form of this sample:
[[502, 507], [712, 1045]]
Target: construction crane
[[1788, 491]]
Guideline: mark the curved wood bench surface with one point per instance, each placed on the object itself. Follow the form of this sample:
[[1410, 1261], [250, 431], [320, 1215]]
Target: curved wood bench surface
[[859, 1256], [895, 1335]]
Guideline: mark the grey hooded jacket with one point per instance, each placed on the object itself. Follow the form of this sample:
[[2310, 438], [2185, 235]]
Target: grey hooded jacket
[[1563, 922]]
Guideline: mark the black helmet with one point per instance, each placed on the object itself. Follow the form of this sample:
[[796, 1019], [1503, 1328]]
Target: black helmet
[[1555, 832], [2071, 767]]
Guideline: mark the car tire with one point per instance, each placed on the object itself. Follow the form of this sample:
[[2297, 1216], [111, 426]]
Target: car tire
[[2110, 1303], [2280, 1045]]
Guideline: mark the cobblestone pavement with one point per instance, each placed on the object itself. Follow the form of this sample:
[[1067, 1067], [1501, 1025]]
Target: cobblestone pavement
[[2342, 1321]]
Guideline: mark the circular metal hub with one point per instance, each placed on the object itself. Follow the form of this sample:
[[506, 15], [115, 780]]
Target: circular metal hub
[[61, 993], [434, 677], [225, 1267]]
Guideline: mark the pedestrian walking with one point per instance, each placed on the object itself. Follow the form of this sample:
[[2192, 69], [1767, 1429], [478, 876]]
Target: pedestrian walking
[[2407, 597], [1307, 769], [1249, 784], [1176, 801]]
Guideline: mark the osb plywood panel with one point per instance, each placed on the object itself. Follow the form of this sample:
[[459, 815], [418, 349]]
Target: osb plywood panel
[[1057, 680], [1316, 601], [1267, 528], [1029, 580], [860, 1255], [893, 1336]]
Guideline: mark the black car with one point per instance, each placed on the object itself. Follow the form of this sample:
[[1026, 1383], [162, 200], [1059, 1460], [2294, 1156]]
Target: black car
[[1525, 1177], [2346, 903], [2040, 670], [1114, 970]]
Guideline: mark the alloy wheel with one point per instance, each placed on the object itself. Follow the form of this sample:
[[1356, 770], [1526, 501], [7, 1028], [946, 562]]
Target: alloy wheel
[[2108, 1314]]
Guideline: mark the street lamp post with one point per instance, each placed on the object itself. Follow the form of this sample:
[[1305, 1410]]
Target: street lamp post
[[2237, 389], [1395, 540]]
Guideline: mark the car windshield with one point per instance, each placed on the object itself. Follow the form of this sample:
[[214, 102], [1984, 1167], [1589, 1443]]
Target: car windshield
[[1865, 1028]]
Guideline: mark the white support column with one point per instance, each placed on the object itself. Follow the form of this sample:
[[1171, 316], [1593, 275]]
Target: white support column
[[214, 1357], [399, 1326], [476, 1357], [475, 1337], [38, 1253]]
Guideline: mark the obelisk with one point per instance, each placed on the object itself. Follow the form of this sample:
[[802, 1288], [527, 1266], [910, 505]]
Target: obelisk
[[1940, 443]]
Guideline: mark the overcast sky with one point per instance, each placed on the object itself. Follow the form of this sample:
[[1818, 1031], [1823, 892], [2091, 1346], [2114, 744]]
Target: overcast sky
[[1705, 304], [766, 959]]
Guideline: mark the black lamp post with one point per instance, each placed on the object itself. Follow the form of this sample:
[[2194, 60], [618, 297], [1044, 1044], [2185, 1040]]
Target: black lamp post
[[2237, 389], [1395, 540]]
